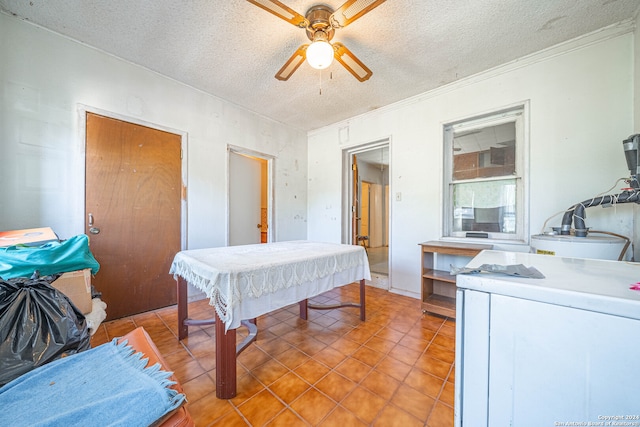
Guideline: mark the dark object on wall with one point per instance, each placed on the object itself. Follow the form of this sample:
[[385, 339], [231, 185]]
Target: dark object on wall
[[632, 156], [576, 214], [497, 155], [38, 324]]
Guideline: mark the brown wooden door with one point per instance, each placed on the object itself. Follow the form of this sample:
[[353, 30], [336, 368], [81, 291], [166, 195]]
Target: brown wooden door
[[133, 202]]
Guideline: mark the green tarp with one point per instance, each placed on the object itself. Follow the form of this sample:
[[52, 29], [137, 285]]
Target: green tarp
[[51, 258]]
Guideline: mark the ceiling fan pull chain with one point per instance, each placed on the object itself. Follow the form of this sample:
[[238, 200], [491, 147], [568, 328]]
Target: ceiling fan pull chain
[[320, 82]]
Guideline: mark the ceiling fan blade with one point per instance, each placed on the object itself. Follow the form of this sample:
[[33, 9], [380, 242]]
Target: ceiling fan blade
[[293, 63], [281, 11], [352, 10], [351, 63]]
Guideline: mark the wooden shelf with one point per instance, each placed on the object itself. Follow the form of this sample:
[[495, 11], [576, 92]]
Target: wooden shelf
[[438, 286], [445, 306], [443, 276], [451, 248]]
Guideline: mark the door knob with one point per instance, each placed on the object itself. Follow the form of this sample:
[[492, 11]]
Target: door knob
[[94, 230]]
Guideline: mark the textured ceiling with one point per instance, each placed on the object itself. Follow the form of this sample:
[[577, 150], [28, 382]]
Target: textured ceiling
[[232, 49]]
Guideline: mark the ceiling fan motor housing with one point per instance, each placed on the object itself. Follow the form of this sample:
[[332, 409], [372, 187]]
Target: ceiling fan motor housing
[[318, 17]]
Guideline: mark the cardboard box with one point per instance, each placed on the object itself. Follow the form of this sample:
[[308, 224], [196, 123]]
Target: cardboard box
[[77, 286], [28, 236]]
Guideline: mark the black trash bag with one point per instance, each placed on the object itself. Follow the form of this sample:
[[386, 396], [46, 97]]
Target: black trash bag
[[38, 324]]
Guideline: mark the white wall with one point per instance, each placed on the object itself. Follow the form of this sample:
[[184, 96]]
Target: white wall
[[636, 119], [636, 74], [580, 98], [371, 173], [44, 78]]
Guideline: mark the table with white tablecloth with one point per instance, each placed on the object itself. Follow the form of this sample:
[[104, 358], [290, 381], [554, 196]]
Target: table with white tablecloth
[[247, 281]]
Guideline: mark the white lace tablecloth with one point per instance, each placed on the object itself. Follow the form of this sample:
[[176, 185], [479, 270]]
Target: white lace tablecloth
[[244, 282]]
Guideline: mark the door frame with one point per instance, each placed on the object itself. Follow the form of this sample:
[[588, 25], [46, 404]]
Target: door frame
[[82, 129], [270, 190], [347, 190]]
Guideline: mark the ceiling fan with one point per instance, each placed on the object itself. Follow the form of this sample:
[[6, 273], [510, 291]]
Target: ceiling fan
[[320, 23]]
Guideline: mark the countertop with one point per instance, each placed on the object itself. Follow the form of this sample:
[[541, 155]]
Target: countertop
[[589, 284]]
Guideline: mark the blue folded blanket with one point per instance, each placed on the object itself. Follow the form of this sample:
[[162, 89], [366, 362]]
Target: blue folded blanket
[[51, 258], [105, 386]]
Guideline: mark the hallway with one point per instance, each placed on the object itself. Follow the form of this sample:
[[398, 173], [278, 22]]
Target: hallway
[[379, 260]]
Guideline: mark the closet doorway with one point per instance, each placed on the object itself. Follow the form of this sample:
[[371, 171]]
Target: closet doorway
[[367, 216], [249, 197]]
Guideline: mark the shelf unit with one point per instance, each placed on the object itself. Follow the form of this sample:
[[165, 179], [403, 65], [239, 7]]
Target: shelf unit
[[438, 286]]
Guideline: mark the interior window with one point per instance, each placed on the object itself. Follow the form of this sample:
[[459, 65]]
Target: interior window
[[484, 177]]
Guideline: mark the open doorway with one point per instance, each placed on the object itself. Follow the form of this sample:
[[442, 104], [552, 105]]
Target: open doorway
[[366, 169], [249, 197]]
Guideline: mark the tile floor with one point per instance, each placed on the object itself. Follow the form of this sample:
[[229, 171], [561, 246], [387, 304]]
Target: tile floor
[[395, 369]]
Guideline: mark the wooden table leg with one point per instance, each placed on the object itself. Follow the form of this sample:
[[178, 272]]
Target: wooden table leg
[[225, 361], [305, 306], [303, 309], [183, 309], [362, 299]]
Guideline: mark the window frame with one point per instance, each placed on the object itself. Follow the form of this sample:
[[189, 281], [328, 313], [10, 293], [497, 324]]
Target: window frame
[[517, 114]]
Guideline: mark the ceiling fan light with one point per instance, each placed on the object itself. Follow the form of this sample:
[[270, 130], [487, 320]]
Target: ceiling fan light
[[320, 55]]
